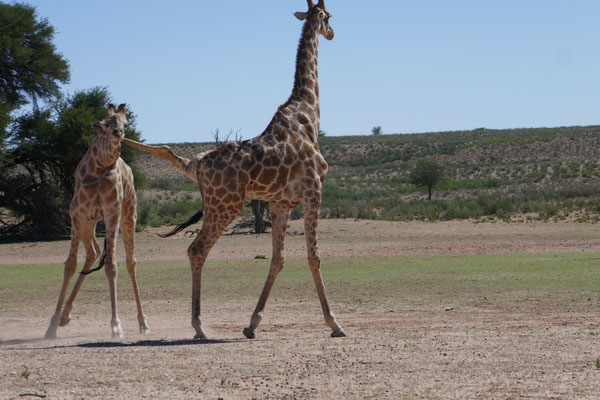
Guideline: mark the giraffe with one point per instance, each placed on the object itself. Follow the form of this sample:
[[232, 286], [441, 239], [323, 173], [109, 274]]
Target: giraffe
[[103, 189], [283, 166]]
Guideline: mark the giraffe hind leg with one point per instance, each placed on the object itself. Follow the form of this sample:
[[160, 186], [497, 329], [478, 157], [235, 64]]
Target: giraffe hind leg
[[69, 271], [212, 228], [279, 220]]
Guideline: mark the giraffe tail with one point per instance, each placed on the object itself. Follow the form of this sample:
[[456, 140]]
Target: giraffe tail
[[100, 263], [185, 165], [194, 219]]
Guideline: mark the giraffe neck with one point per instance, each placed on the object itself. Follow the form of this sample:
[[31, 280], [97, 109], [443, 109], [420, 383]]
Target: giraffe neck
[[306, 80], [104, 153]]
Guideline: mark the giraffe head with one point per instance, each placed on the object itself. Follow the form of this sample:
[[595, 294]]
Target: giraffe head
[[318, 14], [112, 127]]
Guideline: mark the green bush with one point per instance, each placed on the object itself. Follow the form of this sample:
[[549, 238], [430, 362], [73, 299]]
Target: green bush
[[154, 213]]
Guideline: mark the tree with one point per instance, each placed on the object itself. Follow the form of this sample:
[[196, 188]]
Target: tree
[[376, 131], [40, 149], [30, 66], [427, 173], [258, 209]]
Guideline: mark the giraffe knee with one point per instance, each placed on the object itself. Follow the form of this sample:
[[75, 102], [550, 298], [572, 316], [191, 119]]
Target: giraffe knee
[[278, 263], [70, 266], [195, 252], [110, 269], [131, 262]]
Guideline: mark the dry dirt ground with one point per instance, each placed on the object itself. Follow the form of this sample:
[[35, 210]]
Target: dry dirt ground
[[410, 350]]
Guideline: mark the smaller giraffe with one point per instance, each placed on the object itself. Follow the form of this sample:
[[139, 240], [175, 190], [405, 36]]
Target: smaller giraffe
[[103, 189]]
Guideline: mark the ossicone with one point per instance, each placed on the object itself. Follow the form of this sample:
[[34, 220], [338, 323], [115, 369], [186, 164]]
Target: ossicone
[[110, 110]]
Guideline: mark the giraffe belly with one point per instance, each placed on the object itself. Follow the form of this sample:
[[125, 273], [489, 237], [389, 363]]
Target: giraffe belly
[[282, 195]]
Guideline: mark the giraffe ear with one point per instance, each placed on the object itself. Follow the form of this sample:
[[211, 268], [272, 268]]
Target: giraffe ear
[[300, 15], [97, 127], [110, 110], [122, 109]]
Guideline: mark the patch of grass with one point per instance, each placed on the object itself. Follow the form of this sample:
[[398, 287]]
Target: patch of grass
[[430, 281]]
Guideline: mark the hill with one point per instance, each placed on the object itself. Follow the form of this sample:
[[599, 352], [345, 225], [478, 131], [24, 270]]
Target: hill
[[536, 173]]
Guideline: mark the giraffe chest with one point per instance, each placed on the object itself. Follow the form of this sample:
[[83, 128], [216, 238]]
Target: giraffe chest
[[97, 191]]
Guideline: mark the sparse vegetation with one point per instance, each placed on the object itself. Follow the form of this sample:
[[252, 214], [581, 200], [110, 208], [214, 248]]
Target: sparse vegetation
[[528, 174], [155, 213]]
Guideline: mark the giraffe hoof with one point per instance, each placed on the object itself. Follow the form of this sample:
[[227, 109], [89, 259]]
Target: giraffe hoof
[[339, 333], [200, 336], [64, 320], [118, 335], [249, 334]]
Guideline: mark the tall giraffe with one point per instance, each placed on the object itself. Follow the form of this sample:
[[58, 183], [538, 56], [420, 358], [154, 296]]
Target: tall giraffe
[[282, 166], [103, 189]]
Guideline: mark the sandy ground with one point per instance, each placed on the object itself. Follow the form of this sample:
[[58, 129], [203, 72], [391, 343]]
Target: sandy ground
[[349, 238], [410, 350]]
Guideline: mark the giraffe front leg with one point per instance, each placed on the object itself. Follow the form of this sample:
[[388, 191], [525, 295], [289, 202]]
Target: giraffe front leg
[[112, 225], [128, 233], [311, 215], [279, 220], [141, 317]]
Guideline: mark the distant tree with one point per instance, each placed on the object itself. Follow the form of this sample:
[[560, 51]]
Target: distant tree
[[427, 173], [322, 133], [376, 131]]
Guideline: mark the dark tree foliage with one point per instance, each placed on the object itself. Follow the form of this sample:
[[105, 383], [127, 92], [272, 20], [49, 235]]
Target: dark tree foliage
[[427, 173], [37, 174], [30, 66]]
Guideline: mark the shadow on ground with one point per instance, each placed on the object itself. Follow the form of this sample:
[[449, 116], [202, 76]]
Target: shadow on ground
[[157, 343], [141, 343]]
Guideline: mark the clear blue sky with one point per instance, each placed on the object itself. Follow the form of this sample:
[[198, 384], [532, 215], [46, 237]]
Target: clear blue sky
[[189, 67]]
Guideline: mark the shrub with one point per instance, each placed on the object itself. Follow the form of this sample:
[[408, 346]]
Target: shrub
[[154, 213]]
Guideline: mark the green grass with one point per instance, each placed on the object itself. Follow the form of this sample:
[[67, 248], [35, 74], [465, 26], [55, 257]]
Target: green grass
[[429, 281]]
